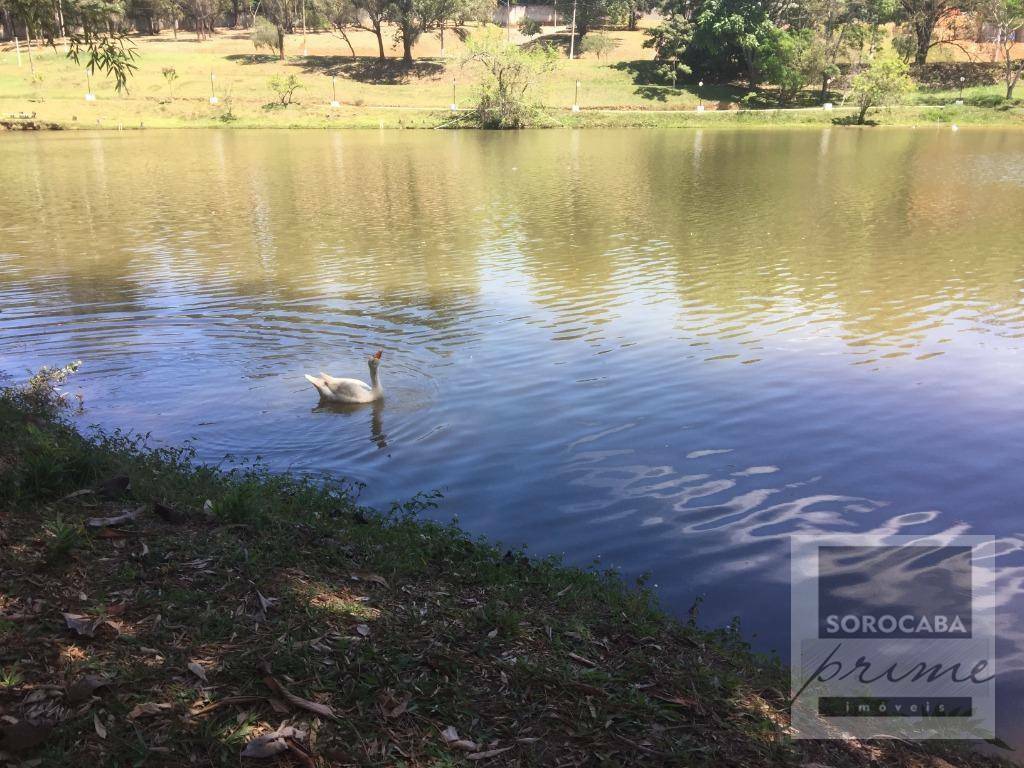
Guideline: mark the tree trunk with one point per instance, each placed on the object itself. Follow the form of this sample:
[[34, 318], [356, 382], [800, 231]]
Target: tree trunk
[[235, 12], [923, 31], [280, 43], [28, 39], [862, 114], [380, 41], [751, 64], [1011, 76], [406, 47], [824, 87], [631, 25], [175, 27]]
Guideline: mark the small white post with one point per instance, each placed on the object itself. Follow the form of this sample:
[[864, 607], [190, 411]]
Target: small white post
[[213, 95], [89, 95], [17, 47], [576, 98], [454, 106], [334, 94]]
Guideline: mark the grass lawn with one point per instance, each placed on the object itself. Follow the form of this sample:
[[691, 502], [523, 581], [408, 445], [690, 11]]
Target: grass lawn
[[386, 94], [154, 612], [369, 90]]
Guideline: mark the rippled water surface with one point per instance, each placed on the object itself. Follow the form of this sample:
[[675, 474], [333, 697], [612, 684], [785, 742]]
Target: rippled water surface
[[668, 350]]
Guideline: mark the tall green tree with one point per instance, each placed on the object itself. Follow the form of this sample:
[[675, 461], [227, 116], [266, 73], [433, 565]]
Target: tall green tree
[[369, 15], [1006, 17], [793, 61], [670, 40], [414, 17], [733, 36], [923, 16], [202, 13], [282, 14], [832, 22]]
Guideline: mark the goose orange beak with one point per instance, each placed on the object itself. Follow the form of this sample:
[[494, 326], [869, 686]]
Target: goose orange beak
[[379, 353]]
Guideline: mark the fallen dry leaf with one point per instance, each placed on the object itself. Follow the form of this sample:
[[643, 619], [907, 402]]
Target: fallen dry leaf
[[82, 625], [582, 660], [199, 708], [103, 522], [76, 494], [197, 670], [452, 739], [100, 730], [83, 688], [297, 701], [487, 753], [274, 743], [682, 701], [265, 602], [399, 709], [373, 578], [149, 708]]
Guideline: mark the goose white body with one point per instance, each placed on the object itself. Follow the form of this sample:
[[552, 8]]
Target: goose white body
[[337, 390]]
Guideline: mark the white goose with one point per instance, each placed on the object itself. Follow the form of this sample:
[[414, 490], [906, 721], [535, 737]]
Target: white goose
[[350, 390]]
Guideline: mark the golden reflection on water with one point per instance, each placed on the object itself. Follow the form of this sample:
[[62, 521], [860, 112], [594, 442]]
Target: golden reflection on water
[[671, 348], [745, 236]]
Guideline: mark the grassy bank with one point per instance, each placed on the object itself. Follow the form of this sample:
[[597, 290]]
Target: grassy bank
[[424, 118], [224, 603], [372, 94]]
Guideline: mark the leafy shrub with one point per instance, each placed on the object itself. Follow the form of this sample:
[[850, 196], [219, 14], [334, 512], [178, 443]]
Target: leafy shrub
[[284, 87], [669, 41], [530, 27], [794, 60], [508, 74], [170, 75], [266, 35], [884, 83], [61, 538], [42, 391], [598, 44], [11, 677], [751, 100], [905, 46]]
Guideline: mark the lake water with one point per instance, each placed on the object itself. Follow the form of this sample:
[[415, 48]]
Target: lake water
[[664, 349]]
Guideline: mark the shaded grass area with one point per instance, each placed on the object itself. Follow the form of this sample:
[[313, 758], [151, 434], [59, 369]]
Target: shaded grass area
[[231, 602]]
